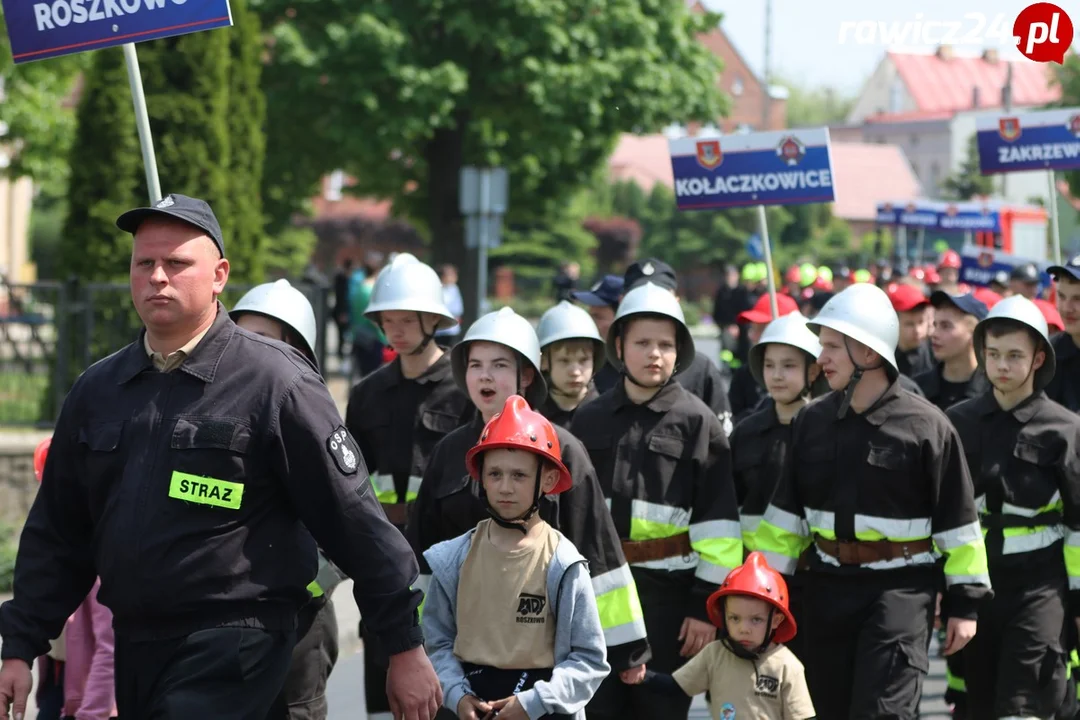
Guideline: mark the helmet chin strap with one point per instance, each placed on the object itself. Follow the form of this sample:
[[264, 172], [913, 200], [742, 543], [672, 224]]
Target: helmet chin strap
[[517, 523], [849, 391], [428, 337]]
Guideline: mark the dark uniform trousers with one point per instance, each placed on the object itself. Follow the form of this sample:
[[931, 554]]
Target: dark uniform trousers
[[226, 672], [304, 695], [1015, 663], [665, 597], [865, 643]]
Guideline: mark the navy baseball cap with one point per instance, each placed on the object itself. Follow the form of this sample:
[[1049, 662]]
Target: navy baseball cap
[[653, 271], [607, 290], [1071, 269], [966, 303], [179, 207]]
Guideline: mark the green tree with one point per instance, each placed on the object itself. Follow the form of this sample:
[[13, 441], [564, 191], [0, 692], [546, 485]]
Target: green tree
[[967, 182], [247, 145], [106, 174], [814, 107], [288, 253], [403, 94], [38, 119]]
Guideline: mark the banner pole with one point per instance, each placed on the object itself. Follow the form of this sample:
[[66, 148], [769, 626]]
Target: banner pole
[[142, 122], [1055, 233], [767, 248]]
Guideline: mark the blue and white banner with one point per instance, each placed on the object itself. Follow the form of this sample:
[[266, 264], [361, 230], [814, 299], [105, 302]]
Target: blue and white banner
[[978, 265], [40, 29], [789, 167], [1043, 140], [938, 215]]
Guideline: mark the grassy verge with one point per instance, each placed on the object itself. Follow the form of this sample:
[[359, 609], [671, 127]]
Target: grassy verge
[[21, 397]]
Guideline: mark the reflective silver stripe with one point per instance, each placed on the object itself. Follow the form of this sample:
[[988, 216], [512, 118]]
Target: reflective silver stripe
[[1074, 582], [655, 512], [981, 579], [963, 535], [672, 564], [902, 528], [414, 483], [1032, 541], [749, 523], [622, 634], [820, 519], [1010, 509], [916, 559], [329, 576], [711, 529], [780, 563], [711, 573], [1072, 538], [980, 504], [789, 522], [620, 577]]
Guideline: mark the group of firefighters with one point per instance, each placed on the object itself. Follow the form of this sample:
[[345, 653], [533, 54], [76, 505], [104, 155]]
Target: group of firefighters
[[914, 515]]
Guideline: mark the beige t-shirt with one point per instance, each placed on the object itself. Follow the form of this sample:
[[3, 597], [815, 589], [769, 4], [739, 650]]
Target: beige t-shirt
[[504, 617], [175, 359], [773, 690]]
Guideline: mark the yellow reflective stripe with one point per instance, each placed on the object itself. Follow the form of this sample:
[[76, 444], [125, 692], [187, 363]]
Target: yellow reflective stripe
[[647, 530], [652, 521], [749, 524], [718, 544], [314, 589], [946, 540], [1054, 504], [385, 492], [822, 522], [1072, 558], [1021, 540], [774, 541], [206, 490], [966, 564], [621, 608], [955, 683]]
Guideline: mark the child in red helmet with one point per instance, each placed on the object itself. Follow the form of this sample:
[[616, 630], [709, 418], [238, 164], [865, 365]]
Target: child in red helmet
[[87, 677], [510, 618], [748, 672]]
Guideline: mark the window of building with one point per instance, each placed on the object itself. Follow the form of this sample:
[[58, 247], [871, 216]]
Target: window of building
[[334, 185], [737, 86], [896, 96]]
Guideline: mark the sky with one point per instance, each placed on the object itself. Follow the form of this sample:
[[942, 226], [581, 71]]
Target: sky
[[806, 43]]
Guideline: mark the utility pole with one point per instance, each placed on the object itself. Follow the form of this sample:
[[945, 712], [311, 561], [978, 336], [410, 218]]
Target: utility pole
[[767, 70]]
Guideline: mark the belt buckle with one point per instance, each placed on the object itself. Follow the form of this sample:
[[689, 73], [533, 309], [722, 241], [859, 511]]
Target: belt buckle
[[906, 551]]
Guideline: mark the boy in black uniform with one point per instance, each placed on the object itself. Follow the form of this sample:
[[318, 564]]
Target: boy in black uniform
[[913, 354], [876, 479], [571, 353], [663, 462], [956, 376], [1065, 385], [499, 357], [399, 412], [746, 394], [1024, 452]]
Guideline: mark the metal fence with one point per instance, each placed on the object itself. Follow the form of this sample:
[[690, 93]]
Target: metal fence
[[51, 331]]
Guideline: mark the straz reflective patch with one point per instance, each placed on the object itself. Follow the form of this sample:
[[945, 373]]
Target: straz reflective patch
[[206, 491]]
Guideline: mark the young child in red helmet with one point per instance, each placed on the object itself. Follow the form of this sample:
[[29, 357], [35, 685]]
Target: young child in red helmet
[[748, 672], [510, 618]]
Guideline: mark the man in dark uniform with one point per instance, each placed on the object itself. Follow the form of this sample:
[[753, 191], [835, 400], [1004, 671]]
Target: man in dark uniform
[[957, 375], [702, 378], [399, 412], [1065, 386], [183, 471], [878, 501], [602, 300]]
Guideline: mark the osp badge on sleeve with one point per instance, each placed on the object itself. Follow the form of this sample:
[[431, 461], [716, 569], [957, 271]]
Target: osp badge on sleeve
[[344, 450]]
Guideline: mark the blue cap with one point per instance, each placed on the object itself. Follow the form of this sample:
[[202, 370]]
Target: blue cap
[[966, 303], [1071, 268], [607, 290]]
